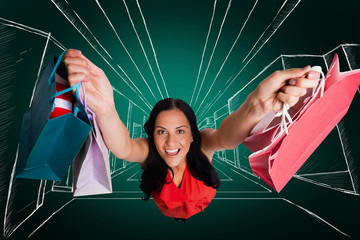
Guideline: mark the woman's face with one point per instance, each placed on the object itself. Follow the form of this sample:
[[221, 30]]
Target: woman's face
[[172, 136]]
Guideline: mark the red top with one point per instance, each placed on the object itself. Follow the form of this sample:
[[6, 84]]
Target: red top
[[192, 197]]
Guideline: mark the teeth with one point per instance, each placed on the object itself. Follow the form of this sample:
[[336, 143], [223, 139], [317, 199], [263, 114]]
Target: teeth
[[172, 151]]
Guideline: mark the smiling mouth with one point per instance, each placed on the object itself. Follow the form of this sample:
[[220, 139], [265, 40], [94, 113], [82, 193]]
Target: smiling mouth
[[172, 152]]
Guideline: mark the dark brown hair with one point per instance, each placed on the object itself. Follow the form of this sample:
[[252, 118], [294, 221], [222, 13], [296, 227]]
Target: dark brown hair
[[155, 169]]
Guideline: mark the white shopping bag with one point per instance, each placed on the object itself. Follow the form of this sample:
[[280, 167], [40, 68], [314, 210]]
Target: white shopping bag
[[91, 167]]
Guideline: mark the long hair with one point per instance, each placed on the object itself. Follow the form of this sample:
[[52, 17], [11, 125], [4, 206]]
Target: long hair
[[155, 169]]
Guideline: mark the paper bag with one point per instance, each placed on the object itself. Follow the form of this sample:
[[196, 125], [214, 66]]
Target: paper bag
[[91, 167], [280, 159], [48, 146]]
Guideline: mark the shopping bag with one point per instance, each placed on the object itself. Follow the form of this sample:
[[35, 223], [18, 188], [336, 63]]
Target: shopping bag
[[278, 161], [91, 167], [47, 147], [272, 124]]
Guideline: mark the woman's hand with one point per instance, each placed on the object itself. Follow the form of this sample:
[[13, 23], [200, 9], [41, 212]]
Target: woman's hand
[[269, 96], [99, 98], [285, 86], [99, 93]]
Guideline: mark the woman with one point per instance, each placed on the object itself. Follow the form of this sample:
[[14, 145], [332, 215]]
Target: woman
[[176, 157], [177, 173]]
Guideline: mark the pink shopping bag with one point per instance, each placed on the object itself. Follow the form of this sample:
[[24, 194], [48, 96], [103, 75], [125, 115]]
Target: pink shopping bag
[[91, 167], [277, 156]]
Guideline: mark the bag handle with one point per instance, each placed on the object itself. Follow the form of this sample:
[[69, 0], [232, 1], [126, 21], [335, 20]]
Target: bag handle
[[285, 116], [76, 86], [321, 84], [56, 66]]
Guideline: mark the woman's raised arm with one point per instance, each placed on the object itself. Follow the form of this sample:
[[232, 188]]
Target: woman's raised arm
[[100, 99], [285, 86]]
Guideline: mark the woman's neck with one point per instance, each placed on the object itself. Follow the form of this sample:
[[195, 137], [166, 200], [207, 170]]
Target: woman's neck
[[179, 168]]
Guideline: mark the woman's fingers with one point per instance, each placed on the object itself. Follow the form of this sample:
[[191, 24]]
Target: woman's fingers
[[285, 86], [72, 53], [93, 68], [69, 60], [76, 78], [298, 87], [291, 100], [98, 90], [313, 75], [304, 83], [294, 90], [73, 69], [292, 73], [78, 74], [77, 67], [310, 80]]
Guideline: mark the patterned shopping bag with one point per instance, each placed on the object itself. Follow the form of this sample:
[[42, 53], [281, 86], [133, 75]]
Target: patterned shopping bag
[[47, 145]]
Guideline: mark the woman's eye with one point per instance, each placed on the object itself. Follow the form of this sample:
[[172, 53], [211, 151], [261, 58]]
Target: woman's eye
[[160, 132], [181, 131]]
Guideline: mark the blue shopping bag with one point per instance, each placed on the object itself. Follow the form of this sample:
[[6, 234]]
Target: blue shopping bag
[[47, 147]]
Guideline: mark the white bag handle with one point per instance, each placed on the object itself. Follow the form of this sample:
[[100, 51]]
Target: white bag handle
[[285, 116]]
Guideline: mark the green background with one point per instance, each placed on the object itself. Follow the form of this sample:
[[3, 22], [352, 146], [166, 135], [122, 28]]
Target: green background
[[178, 31]]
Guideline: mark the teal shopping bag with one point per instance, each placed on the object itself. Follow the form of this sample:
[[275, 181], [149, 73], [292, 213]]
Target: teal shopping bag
[[47, 147]]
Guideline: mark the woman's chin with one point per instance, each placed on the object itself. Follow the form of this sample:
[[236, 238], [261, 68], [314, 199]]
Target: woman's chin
[[173, 163]]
